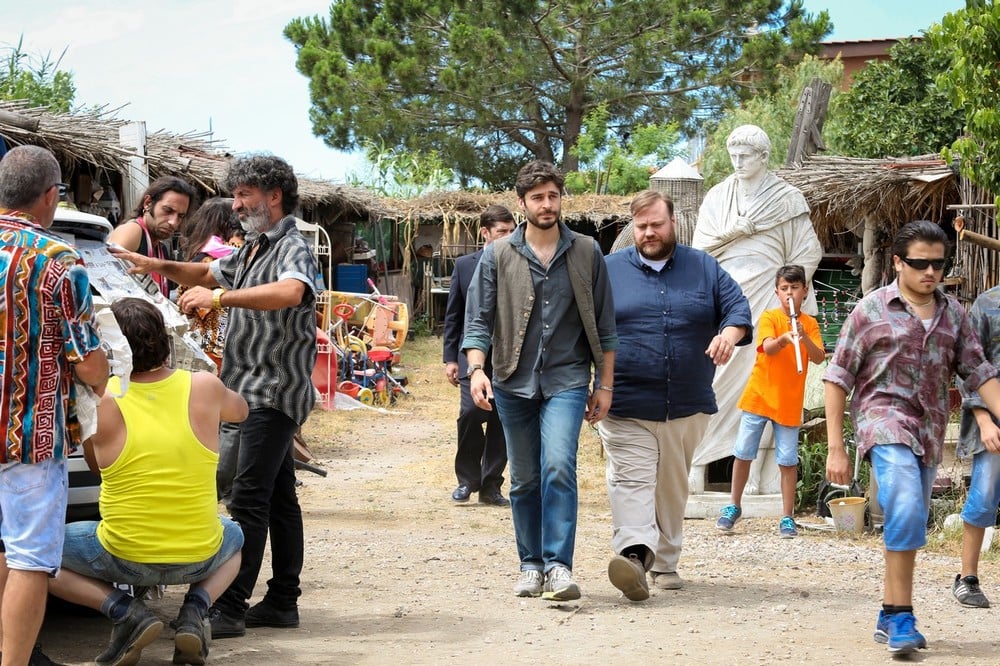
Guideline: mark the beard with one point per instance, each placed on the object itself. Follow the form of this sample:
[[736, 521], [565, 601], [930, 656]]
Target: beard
[[538, 224], [256, 219], [657, 250]]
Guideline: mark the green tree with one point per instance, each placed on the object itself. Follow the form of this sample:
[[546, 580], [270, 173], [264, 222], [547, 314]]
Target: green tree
[[894, 107], [613, 164], [774, 113], [492, 83], [972, 82], [36, 79], [402, 173]]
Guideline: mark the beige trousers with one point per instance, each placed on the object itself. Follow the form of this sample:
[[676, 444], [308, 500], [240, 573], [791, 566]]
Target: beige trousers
[[647, 473]]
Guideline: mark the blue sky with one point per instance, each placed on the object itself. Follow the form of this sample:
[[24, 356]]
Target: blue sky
[[191, 65]]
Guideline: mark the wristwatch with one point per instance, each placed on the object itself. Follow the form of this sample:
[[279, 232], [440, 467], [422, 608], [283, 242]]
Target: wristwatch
[[217, 298], [472, 370]]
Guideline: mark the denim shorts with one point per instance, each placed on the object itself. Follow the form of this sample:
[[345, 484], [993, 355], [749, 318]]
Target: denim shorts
[[85, 555], [980, 508], [786, 440], [904, 493], [32, 514]]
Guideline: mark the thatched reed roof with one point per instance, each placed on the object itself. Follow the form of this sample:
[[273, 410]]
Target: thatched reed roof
[[592, 210], [92, 137], [842, 191]]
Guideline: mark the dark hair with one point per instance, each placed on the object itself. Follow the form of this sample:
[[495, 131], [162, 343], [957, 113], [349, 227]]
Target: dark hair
[[537, 173], [494, 213], [268, 173], [647, 198], [161, 186], [26, 173], [142, 325], [915, 232], [790, 273], [215, 217]]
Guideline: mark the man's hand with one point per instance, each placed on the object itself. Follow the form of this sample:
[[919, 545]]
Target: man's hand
[[989, 433], [451, 372], [720, 350], [598, 404], [194, 299], [838, 467], [141, 264], [481, 390]]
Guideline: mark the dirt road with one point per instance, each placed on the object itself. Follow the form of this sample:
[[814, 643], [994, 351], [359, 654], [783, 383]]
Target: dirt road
[[398, 574]]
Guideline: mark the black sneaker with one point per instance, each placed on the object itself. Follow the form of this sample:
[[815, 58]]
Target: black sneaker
[[190, 643], [226, 626], [130, 635], [264, 614], [38, 658], [968, 593]]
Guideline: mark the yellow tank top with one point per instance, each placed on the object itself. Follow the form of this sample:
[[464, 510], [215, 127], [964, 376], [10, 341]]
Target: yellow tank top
[[158, 499]]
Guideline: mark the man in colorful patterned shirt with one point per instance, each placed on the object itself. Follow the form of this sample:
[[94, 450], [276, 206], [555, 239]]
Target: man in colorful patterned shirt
[[898, 351], [46, 319]]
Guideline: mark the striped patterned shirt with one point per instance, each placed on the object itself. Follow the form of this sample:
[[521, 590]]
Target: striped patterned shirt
[[270, 354], [47, 323]]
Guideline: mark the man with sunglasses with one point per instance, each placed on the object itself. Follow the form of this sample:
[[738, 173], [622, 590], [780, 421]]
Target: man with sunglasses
[[898, 351], [49, 339]]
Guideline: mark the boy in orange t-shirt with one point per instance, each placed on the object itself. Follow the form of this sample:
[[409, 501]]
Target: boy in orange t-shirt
[[775, 394]]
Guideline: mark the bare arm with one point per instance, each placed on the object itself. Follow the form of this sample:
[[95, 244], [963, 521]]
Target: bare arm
[[278, 295], [479, 384], [720, 350], [127, 235], [838, 467], [93, 370], [599, 401], [990, 393], [182, 272]]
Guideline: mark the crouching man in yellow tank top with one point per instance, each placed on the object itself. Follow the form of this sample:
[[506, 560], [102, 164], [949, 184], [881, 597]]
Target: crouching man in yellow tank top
[[156, 449]]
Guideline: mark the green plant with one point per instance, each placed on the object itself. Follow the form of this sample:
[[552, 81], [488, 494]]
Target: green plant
[[812, 471], [421, 326]]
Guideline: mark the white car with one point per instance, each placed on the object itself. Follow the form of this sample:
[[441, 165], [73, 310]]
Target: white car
[[84, 485]]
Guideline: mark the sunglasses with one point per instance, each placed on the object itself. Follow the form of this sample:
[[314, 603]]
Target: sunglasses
[[63, 188], [922, 264]]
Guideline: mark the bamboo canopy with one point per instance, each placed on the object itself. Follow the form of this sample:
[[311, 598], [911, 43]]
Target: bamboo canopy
[[92, 137], [843, 191]]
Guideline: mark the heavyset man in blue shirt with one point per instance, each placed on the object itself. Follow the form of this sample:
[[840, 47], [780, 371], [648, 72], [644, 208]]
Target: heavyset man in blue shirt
[[542, 300], [678, 316]]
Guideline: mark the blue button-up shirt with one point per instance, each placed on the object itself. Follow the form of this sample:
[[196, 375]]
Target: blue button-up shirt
[[666, 319]]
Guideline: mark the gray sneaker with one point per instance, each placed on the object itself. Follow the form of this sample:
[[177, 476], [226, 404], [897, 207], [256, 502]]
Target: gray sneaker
[[968, 593], [559, 585], [629, 576], [130, 635], [668, 580], [530, 584]]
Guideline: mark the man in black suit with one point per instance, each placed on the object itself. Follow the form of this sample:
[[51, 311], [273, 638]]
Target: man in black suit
[[481, 456]]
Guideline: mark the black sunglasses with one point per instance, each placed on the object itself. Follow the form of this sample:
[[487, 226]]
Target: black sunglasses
[[62, 188], [922, 264]]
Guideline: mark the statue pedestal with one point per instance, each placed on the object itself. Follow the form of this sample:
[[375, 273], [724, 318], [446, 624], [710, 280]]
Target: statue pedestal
[[707, 506]]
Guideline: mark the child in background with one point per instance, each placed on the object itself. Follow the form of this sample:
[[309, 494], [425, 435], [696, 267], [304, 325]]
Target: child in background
[[775, 394]]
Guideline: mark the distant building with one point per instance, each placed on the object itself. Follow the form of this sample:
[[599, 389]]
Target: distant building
[[856, 54]]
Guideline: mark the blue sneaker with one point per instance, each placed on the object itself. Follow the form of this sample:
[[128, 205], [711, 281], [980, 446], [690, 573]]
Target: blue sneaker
[[903, 635], [787, 529], [882, 628], [730, 514]]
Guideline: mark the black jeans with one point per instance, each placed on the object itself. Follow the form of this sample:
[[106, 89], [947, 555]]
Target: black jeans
[[264, 500], [481, 457]]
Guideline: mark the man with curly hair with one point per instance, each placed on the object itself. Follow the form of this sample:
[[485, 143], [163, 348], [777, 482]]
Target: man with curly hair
[[268, 359]]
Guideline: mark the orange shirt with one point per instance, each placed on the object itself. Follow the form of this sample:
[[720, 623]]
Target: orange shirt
[[776, 390]]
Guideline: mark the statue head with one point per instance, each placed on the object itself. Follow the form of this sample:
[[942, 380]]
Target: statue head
[[749, 149]]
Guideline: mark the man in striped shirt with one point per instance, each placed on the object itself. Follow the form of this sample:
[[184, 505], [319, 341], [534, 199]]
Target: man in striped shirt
[[268, 359]]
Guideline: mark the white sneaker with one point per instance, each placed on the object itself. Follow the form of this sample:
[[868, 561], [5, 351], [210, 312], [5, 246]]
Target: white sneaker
[[530, 584], [559, 585]]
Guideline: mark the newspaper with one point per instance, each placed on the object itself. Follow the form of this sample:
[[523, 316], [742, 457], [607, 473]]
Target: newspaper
[[110, 278]]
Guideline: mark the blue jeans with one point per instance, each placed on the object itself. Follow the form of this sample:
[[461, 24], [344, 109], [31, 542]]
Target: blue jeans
[[542, 436], [786, 440], [980, 508], [904, 493], [84, 554], [32, 514], [264, 502]]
